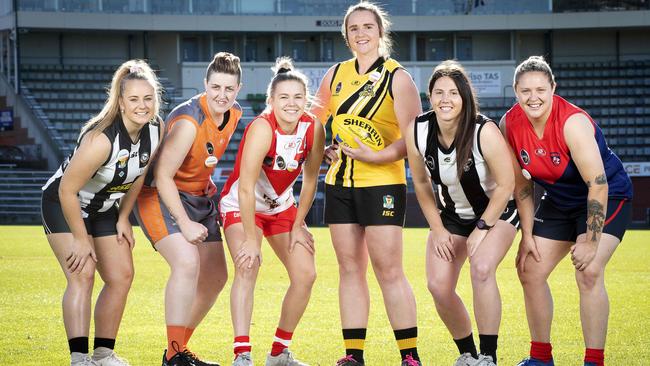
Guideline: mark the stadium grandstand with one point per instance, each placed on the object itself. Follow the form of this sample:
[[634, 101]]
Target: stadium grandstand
[[57, 58]]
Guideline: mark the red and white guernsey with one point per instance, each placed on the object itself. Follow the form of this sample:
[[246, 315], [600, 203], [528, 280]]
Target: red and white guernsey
[[281, 167]]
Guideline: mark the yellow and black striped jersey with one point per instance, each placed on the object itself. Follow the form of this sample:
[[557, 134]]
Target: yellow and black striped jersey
[[368, 96]]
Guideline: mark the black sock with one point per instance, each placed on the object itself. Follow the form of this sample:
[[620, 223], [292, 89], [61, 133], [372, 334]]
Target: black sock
[[104, 342], [489, 345], [355, 339], [78, 344], [466, 345], [407, 342]]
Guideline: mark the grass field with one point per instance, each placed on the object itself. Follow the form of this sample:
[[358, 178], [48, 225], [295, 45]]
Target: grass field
[[31, 326]]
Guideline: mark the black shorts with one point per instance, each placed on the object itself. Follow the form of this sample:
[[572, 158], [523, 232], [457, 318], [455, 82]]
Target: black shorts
[[97, 225], [462, 227], [565, 225], [366, 206]]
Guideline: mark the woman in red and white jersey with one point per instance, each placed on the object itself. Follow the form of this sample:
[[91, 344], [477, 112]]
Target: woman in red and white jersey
[[258, 201]]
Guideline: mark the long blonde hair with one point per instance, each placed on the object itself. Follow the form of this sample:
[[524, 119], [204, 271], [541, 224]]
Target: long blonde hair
[[130, 70]]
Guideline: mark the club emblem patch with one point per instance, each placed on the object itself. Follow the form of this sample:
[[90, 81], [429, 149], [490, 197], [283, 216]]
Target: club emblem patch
[[540, 152], [555, 158], [209, 147], [389, 202], [524, 156], [144, 158], [430, 162]]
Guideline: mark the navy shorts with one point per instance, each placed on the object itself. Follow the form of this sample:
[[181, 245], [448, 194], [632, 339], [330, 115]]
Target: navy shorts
[[97, 225], [462, 227], [366, 206], [554, 223]]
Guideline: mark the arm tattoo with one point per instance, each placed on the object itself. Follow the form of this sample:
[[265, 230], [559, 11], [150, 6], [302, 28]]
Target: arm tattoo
[[601, 179], [595, 218], [525, 192]]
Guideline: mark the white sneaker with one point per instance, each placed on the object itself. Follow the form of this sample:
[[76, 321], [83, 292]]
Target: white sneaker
[[243, 359], [465, 359], [484, 360], [81, 359], [283, 359], [111, 360]]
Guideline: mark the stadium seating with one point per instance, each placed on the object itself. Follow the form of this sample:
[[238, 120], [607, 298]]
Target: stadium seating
[[70, 94], [617, 95]]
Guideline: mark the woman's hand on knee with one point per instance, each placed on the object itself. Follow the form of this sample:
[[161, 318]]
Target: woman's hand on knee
[[80, 251], [442, 244], [249, 251], [300, 235], [527, 247]]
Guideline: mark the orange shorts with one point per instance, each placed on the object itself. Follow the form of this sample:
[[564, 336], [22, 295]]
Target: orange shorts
[[270, 224]]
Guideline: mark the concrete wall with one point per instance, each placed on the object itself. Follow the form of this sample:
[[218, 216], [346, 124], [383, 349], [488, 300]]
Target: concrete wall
[[256, 76]]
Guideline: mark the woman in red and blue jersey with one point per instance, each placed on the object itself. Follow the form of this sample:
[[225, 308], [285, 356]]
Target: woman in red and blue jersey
[[585, 210]]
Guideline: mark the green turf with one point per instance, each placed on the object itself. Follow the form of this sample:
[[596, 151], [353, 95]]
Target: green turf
[[31, 327]]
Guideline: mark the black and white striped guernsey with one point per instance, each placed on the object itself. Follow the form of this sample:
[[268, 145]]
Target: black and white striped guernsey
[[468, 197], [125, 163]]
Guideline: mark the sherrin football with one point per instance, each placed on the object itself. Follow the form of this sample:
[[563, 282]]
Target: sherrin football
[[345, 127]]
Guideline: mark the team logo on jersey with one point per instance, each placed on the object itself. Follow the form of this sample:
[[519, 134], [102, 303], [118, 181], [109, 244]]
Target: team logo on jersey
[[367, 91], [468, 165], [339, 85], [540, 152], [122, 158], [280, 163], [292, 165], [555, 158], [526, 174], [272, 203], [268, 161], [211, 161], [431, 164], [389, 202], [356, 82], [524, 156], [447, 159], [144, 158], [209, 147]]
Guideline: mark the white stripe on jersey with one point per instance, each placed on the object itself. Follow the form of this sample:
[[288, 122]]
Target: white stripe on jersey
[[448, 175]]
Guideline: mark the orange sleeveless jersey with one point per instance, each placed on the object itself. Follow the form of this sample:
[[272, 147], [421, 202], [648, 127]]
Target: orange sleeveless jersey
[[209, 144]]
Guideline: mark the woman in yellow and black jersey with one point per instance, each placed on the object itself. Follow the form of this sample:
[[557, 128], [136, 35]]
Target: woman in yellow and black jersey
[[359, 98], [371, 100]]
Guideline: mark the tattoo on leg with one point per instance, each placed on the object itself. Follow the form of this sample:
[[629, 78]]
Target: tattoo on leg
[[595, 218]]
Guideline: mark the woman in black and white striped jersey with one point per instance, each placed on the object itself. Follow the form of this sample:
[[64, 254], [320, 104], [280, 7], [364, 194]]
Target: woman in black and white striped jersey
[[85, 227], [475, 216]]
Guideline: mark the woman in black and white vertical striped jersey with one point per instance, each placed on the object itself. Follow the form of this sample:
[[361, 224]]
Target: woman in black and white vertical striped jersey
[[466, 157], [86, 205]]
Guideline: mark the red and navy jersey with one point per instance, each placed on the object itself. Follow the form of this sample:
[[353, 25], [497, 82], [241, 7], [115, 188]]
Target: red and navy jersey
[[280, 169], [549, 162]]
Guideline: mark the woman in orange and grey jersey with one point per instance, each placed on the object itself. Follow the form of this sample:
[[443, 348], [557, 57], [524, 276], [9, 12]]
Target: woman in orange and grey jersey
[[178, 214]]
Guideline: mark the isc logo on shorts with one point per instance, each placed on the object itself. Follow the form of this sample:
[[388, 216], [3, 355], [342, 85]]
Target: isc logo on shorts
[[389, 213]]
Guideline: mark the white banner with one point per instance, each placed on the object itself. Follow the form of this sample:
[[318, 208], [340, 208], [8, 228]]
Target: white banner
[[637, 169], [486, 83]]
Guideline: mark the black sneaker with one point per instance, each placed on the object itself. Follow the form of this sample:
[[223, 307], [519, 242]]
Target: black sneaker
[[195, 361], [179, 359]]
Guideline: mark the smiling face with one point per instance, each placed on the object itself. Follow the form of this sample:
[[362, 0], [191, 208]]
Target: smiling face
[[362, 33], [446, 100], [221, 91], [535, 95], [288, 101], [137, 103]]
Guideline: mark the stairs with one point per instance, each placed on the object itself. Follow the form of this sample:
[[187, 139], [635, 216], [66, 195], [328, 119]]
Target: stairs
[[20, 195]]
